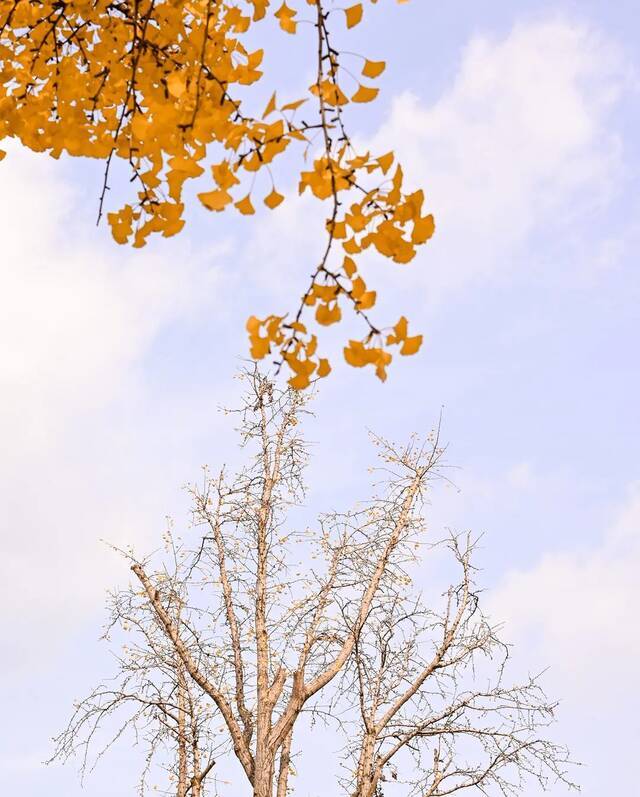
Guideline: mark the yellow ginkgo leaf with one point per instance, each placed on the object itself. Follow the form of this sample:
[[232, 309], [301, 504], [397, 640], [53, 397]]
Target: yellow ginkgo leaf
[[139, 126], [285, 17], [411, 345], [273, 199], [120, 234], [299, 381], [327, 315], [324, 369], [242, 24], [292, 106], [177, 83], [353, 14], [356, 354], [312, 345], [423, 229], [260, 347], [401, 328], [172, 227], [223, 175], [260, 9], [381, 372], [330, 92], [3, 154], [215, 200], [385, 161], [373, 68], [349, 267], [338, 229], [325, 293], [358, 288], [366, 301], [290, 26], [271, 106], [365, 94], [244, 206]]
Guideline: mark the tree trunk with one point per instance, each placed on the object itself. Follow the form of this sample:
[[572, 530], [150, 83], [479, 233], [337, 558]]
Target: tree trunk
[[182, 738], [263, 782]]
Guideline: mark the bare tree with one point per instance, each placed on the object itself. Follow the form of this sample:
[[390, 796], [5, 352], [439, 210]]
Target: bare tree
[[433, 710], [253, 625], [150, 695]]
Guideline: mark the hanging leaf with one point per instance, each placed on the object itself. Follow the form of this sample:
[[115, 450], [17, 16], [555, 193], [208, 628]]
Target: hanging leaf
[[365, 94], [273, 199], [245, 207], [354, 15], [373, 69]]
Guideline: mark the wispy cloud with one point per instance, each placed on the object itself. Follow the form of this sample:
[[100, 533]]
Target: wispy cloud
[[78, 317], [579, 607]]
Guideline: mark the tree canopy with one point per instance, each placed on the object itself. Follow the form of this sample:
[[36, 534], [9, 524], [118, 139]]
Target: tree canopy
[[165, 87]]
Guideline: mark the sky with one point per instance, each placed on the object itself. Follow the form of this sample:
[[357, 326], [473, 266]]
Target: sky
[[520, 121]]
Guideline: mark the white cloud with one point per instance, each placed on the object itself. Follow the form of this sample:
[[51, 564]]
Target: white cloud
[[78, 316], [578, 610], [519, 143], [521, 476], [76, 312]]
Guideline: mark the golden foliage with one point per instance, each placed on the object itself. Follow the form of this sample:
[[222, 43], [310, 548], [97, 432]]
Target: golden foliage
[[156, 83]]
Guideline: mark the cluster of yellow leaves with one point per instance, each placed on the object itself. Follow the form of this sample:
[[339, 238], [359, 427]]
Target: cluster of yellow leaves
[[300, 358], [385, 218], [381, 216], [150, 83], [154, 83]]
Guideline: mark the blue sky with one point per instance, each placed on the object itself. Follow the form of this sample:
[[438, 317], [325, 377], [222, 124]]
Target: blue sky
[[519, 121]]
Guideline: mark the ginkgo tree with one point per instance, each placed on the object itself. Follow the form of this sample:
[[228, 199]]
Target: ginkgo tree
[[249, 631], [165, 87]]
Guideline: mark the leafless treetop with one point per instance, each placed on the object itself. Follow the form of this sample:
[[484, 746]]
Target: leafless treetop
[[251, 624]]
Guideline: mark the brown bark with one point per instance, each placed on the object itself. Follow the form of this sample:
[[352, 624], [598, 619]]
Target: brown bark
[[182, 732]]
